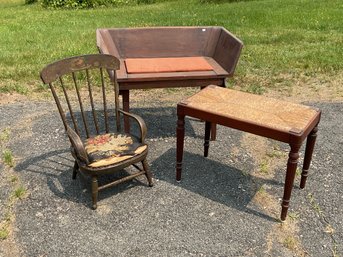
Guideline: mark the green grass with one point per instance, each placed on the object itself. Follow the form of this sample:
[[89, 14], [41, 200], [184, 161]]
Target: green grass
[[3, 233], [4, 135], [264, 166], [296, 37], [294, 215], [13, 86], [7, 157], [14, 179], [19, 192], [290, 242]]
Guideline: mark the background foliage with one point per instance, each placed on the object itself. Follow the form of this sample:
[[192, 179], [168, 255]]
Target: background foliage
[[287, 43], [80, 4]]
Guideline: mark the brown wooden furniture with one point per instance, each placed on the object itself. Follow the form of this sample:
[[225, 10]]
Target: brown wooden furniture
[[283, 121], [97, 149], [151, 48]]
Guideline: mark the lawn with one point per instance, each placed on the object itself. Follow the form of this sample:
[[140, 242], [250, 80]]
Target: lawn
[[289, 44]]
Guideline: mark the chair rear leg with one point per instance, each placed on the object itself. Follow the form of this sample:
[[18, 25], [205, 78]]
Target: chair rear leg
[[75, 170], [94, 192], [147, 172]]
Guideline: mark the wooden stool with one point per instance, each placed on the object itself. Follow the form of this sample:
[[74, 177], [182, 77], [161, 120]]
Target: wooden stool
[[283, 121]]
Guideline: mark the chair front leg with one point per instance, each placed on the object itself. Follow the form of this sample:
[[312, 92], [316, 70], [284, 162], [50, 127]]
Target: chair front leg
[[147, 172], [95, 191]]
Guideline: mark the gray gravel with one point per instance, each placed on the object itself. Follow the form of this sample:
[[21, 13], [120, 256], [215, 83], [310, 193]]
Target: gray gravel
[[212, 211]]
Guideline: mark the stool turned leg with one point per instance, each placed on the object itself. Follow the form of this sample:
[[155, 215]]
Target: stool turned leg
[[94, 192], [207, 137], [180, 135], [311, 140], [290, 174]]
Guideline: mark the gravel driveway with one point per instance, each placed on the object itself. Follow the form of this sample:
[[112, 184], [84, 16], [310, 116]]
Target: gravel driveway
[[222, 207]]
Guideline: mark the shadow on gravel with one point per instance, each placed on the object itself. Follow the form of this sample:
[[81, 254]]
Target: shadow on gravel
[[54, 169], [213, 180], [161, 121]]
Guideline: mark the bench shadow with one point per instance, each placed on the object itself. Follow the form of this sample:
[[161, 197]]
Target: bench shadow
[[216, 181], [161, 122]]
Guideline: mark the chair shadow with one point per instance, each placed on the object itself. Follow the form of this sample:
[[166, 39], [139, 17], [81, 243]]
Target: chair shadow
[[213, 180], [57, 166]]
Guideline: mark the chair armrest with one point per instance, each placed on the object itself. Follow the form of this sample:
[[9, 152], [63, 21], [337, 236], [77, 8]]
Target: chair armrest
[[77, 145], [141, 123]]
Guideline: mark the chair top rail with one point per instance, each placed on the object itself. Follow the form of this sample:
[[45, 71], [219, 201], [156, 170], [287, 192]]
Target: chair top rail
[[59, 68]]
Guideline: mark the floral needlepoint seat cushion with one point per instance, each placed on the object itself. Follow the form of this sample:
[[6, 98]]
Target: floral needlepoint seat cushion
[[112, 148]]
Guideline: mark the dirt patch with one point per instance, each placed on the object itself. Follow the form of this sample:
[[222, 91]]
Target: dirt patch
[[8, 246], [295, 87], [268, 158], [266, 154], [286, 235], [12, 98]]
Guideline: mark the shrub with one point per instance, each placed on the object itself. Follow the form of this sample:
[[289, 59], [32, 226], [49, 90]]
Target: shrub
[[30, 1], [68, 3], [80, 4], [145, 1], [221, 1]]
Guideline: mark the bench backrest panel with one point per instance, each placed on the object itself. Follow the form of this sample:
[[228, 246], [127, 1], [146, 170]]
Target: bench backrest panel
[[162, 42], [159, 42]]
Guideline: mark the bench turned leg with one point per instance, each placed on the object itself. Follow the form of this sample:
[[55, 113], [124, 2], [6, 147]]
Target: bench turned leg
[[214, 125], [213, 132], [290, 174], [311, 140], [126, 107], [180, 135], [207, 137]]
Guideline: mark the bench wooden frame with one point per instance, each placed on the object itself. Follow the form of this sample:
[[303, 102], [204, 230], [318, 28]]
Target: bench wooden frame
[[218, 46]]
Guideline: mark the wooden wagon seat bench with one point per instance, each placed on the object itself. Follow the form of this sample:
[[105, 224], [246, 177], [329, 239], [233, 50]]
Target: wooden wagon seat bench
[[165, 57]]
